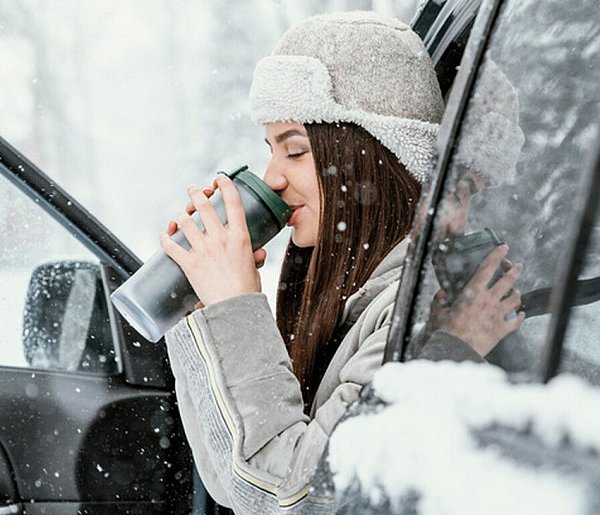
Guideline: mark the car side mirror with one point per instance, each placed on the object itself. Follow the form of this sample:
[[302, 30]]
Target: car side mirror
[[66, 322]]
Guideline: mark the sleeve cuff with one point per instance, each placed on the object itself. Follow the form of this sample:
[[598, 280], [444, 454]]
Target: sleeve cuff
[[445, 346]]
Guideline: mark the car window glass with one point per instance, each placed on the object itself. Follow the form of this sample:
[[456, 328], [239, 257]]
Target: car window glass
[[54, 310], [581, 351], [530, 122]]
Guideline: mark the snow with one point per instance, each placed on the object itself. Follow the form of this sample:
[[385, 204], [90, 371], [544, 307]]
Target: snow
[[424, 436]]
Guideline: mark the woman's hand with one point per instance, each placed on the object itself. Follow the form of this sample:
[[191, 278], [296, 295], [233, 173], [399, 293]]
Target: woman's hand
[[220, 263], [479, 314]]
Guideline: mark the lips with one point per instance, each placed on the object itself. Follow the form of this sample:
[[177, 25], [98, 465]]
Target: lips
[[296, 213]]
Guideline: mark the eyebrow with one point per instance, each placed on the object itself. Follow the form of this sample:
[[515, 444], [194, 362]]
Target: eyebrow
[[287, 134]]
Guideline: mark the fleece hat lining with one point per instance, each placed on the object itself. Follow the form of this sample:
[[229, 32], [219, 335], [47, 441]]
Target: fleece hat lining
[[298, 88]]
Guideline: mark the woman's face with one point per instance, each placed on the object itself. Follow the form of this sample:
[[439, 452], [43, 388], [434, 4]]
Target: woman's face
[[291, 173]]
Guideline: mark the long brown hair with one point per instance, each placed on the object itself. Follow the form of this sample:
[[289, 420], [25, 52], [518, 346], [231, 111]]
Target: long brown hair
[[368, 201]]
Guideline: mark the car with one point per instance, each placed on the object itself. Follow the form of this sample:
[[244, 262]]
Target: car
[[88, 418], [518, 163]]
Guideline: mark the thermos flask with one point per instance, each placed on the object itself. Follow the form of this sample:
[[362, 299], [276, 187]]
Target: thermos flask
[[158, 295]]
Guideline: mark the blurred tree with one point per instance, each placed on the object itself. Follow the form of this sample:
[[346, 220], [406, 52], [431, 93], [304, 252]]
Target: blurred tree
[[229, 136]]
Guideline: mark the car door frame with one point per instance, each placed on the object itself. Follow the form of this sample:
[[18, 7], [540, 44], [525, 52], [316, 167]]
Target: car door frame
[[145, 365], [145, 371], [426, 209]]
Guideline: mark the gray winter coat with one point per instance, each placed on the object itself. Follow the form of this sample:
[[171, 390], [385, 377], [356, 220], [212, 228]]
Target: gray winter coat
[[242, 407]]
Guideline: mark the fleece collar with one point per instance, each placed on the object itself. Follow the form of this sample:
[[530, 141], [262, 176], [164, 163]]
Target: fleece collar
[[299, 88]]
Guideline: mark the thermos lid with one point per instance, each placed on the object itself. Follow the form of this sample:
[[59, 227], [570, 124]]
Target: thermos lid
[[472, 241], [279, 209]]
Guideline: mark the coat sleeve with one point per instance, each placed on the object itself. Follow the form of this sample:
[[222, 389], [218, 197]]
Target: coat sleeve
[[445, 346], [242, 406]]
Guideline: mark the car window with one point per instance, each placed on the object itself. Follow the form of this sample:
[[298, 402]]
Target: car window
[[514, 175], [54, 309]]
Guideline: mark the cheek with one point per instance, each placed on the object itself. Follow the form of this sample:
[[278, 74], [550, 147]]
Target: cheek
[[311, 187]]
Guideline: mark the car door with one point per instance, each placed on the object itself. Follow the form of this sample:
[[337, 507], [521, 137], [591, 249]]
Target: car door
[[516, 148], [88, 421]]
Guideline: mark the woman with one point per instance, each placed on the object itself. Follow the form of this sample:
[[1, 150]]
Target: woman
[[350, 106]]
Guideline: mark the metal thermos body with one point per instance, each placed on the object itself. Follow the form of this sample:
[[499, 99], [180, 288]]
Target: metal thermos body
[[158, 295]]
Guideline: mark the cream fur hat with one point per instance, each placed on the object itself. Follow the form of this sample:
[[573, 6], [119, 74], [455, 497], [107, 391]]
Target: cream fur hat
[[357, 67]]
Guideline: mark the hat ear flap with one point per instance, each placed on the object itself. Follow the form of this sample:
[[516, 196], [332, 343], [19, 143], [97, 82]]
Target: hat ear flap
[[299, 88], [292, 88]]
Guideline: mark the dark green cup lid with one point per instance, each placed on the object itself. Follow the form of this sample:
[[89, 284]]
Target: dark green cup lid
[[280, 210]]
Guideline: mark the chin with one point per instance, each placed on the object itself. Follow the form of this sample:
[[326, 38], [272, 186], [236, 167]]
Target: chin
[[301, 240]]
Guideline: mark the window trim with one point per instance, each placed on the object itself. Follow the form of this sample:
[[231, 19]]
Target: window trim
[[563, 294], [426, 209], [29, 179]]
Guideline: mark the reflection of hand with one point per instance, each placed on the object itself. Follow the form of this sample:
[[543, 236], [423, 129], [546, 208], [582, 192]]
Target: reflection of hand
[[479, 314], [455, 207], [220, 263]]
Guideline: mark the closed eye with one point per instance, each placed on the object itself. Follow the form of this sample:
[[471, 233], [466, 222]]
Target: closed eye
[[297, 154]]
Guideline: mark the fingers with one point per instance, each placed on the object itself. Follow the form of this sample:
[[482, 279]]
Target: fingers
[[172, 249], [507, 264], [208, 191], [515, 323], [171, 227], [190, 208], [211, 221], [260, 256], [476, 182], [234, 210], [488, 267], [506, 282], [512, 302], [440, 298], [190, 230], [463, 191]]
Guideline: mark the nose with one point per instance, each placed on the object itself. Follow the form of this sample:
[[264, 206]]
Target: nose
[[275, 176]]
